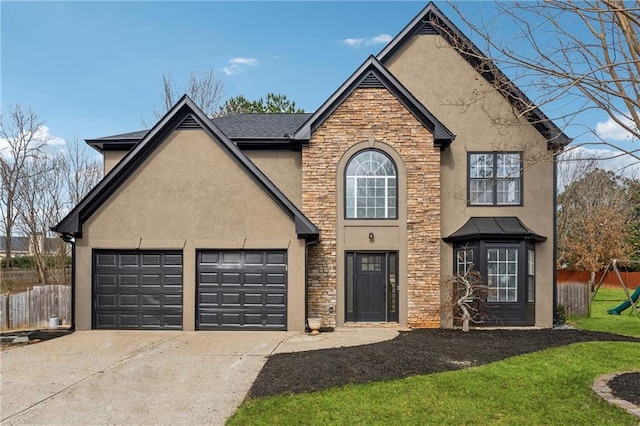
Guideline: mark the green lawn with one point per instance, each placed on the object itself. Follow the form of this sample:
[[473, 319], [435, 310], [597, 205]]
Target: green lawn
[[626, 323], [543, 388]]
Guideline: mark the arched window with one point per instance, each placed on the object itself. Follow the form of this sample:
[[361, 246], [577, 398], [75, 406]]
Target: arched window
[[371, 186]]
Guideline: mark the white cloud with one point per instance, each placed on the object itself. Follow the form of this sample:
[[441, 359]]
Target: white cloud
[[352, 42], [237, 65], [357, 42], [244, 61], [42, 134], [573, 161], [610, 130], [380, 39]]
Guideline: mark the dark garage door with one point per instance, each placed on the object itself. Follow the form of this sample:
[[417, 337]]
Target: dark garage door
[[137, 289], [242, 289]]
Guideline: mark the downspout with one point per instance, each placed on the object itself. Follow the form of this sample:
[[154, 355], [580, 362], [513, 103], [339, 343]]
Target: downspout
[[307, 244], [555, 239], [67, 239]]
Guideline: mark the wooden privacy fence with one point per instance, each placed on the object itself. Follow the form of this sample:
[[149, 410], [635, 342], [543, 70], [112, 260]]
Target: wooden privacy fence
[[575, 298], [34, 308]]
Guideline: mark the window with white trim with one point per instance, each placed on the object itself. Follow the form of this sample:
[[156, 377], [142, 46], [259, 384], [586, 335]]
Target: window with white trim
[[371, 186], [495, 178]]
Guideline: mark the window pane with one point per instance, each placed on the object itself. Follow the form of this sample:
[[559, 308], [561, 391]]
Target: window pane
[[350, 275], [370, 186], [502, 275], [495, 179], [481, 165], [508, 191], [531, 276], [508, 165], [481, 191], [464, 261]]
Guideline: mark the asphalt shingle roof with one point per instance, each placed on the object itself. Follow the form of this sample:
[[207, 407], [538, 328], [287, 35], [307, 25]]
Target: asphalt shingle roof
[[260, 126]]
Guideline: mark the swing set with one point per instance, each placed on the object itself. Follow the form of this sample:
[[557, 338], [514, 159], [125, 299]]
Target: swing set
[[632, 298]]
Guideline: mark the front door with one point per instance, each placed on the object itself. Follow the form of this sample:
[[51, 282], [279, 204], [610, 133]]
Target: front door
[[371, 286]]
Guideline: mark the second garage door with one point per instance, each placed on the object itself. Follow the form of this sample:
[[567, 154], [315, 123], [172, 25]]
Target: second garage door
[[242, 289]]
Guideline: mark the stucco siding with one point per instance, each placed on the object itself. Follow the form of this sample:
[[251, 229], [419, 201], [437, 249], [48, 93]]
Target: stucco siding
[[188, 195], [283, 168], [482, 120], [110, 159]]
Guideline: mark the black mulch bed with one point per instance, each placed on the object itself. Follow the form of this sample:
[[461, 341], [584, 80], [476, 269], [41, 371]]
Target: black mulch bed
[[411, 353], [627, 387]]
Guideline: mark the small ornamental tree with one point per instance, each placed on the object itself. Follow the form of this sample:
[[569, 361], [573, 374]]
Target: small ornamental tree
[[470, 295]]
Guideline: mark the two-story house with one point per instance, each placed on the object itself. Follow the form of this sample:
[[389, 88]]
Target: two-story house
[[417, 167]]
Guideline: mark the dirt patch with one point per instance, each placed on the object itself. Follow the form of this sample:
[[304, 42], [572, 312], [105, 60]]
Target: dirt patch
[[411, 353], [8, 340]]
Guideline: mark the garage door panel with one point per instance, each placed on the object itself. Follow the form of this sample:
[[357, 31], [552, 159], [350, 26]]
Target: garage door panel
[[128, 301], [276, 259], [129, 260], [208, 277], [255, 258], [128, 280], [151, 280], [231, 258], [241, 290], [276, 319], [275, 300], [147, 296], [151, 260], [253, 299], [230, 299], [107, 260], [107, 280], [275, 280], [231, 278], [241, 320], [253, 279], [105, 320], [172, 300], [107, 300], [209, 258]]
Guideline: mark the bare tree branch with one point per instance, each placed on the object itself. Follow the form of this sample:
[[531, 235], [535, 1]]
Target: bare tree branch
[[592, 63], [20, 145]]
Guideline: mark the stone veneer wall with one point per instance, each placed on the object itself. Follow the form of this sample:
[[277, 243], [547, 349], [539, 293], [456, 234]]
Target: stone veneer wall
[[375, 113]]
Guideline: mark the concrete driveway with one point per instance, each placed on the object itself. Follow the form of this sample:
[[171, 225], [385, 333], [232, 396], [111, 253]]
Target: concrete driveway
[[147, 377], [131, 377]]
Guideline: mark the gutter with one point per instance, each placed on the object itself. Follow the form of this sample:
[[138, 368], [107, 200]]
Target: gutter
[[555, 240], [68, 239]]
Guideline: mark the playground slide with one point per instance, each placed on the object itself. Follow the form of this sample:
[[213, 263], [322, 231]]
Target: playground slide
[[626, 304]]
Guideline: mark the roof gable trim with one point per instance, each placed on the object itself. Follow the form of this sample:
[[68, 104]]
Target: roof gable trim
[[431, 21], [373, 74], [184, 115]]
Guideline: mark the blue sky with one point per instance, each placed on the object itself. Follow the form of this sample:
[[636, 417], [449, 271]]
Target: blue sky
[[93, 69]]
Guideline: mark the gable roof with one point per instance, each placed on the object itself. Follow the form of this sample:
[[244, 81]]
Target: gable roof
[[184, 115], [121, 142], [503, 228], [432, 21], [373, 74], [245, 129], [260, 126]]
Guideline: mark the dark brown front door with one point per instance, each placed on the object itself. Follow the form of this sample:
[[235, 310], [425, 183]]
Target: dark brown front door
[[371, 286]]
